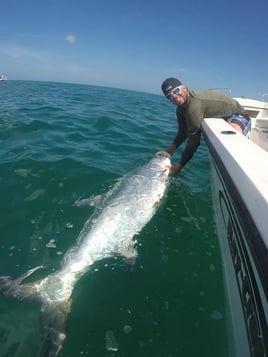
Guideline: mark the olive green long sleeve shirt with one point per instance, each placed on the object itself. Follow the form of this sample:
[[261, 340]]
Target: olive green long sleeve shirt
[[200, 105]]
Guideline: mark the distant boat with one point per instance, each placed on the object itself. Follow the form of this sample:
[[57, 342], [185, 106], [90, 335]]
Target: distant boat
[[3, 77]]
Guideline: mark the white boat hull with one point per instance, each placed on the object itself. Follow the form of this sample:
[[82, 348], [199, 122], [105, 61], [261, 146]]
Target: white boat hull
[[240, 194]]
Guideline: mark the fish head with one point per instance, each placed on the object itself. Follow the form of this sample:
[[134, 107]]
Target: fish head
[[161, 163]]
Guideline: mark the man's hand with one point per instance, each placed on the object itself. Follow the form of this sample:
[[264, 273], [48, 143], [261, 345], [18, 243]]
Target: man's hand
[[171, 149], [175, 169]]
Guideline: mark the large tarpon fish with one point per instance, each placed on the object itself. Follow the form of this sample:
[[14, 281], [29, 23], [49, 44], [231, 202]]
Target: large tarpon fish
[[109, 232]]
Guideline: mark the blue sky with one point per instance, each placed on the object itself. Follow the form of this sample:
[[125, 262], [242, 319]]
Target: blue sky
[[137, 44]]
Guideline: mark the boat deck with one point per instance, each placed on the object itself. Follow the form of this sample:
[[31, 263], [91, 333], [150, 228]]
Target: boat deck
[[258, 111]]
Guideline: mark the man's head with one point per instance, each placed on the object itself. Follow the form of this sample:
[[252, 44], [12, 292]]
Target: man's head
[[175, 91]]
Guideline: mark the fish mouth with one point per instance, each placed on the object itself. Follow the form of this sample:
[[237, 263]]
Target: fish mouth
[[162, 154]]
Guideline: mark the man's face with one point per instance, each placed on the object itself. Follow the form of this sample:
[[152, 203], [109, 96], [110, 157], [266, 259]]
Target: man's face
[[178, 95]]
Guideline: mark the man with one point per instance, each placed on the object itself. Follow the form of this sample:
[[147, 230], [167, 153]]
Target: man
[[192, 108]]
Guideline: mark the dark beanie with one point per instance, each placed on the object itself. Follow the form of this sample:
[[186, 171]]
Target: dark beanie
[[170, 83]]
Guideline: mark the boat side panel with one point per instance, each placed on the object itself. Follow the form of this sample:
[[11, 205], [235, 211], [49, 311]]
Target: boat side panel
[[244, 255]]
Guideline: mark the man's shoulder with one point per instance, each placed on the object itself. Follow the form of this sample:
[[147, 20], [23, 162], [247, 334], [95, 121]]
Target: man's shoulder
[[207, 94], [210, 97]]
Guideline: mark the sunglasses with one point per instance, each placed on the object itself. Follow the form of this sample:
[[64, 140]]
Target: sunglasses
[[174, 91]]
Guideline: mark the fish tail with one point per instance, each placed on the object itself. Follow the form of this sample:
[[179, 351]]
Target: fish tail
[[53, 316], [15, 289], [53, 321]]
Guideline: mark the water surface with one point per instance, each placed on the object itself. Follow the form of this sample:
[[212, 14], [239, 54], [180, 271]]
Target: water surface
[[60, 142]]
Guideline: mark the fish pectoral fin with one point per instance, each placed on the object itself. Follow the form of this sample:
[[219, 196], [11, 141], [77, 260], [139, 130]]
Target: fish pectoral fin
[[93, 201]]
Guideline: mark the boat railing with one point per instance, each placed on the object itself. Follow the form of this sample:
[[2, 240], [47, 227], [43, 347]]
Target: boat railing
[[263, 96]]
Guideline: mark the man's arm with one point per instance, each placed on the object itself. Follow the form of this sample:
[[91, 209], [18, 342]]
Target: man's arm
[[187, 154], [191, 147], [180, 137]]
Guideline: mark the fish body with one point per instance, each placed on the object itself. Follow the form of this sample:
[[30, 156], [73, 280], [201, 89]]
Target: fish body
[[109, 232]]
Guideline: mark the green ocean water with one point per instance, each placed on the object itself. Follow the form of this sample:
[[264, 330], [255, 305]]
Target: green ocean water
[[61, 142]]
